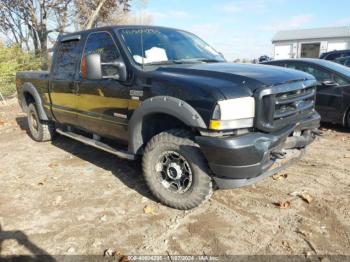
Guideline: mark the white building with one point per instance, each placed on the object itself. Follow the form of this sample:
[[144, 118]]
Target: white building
[[310, 42]]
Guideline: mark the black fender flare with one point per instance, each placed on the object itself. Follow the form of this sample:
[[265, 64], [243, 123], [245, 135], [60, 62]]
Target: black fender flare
[[30, 88], [161, 104]]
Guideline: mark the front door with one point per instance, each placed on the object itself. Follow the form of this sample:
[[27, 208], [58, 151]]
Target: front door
[[103, 104], [63, 90], [328, 98], [329, 101]]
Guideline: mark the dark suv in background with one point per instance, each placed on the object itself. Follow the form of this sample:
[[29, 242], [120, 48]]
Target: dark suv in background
[[344, 60], [333, 55]]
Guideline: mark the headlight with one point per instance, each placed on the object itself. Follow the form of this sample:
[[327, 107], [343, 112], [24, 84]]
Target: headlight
[[233, 113]]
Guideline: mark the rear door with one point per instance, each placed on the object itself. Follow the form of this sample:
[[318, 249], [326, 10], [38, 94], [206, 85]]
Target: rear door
[[63, 90], [103, 104]]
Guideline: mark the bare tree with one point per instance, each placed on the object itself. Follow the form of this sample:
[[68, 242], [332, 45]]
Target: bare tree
[[138, 16], [11, 23], [91, 13], [34, 20], [33, 23], [133, 18]]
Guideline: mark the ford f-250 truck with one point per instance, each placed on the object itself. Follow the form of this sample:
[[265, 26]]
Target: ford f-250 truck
[[197, 121]]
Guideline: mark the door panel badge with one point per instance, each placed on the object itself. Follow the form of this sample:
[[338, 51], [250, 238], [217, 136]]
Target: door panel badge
[[136, 94]]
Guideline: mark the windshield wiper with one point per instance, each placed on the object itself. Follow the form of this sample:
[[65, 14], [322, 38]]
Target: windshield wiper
[[208, 60], [184, 61], [165, 62]]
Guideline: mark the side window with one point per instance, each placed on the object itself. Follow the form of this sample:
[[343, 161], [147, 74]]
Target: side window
[[340, 60], [277, 64], [334, 56], [341, 81], [291, 66], [67, 55], [103, 44], [347, 63], [319, 74]]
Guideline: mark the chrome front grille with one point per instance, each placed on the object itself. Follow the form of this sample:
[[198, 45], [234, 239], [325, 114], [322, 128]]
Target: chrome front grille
[[295, 102], [283, 105]]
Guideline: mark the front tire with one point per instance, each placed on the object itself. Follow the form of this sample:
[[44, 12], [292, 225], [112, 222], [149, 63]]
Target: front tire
[[40, 131], [176, 171]]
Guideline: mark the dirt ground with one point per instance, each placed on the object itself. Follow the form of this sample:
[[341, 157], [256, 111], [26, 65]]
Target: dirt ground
[[67, 198]]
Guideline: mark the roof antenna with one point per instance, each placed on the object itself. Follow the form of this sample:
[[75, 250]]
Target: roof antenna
[[142, 47]]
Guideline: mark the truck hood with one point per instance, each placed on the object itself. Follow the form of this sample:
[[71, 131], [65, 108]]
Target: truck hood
[[231, 79]]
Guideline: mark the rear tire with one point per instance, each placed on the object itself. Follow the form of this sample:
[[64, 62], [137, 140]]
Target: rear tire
[[40, 131], [176, 171]]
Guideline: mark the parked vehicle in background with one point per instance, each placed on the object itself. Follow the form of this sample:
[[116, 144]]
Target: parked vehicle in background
[[166, 96], [333, 87], [343, 61], [264, 58], [333, 55]]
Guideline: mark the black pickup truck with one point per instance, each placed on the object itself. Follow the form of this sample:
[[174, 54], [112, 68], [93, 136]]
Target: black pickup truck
[[198, 121]]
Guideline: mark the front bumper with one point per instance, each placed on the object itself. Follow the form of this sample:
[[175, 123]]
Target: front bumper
[[243, 160]]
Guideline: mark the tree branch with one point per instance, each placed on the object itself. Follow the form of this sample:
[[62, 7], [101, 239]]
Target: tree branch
[[94, 15]]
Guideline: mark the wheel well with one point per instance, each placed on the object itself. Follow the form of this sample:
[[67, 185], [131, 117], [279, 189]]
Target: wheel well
[[156, 123], [157, 114], [26, 100]]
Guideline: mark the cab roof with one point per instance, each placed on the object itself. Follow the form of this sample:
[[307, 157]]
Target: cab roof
[[73, 35]]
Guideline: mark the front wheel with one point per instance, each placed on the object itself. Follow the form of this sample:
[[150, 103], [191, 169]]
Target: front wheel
[[40, 131], [176, 171]]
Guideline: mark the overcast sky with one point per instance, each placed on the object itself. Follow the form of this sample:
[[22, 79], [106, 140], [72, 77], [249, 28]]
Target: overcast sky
[[244, 28]]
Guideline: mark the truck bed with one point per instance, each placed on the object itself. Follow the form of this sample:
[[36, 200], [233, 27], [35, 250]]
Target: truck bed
[[32, 75], [37, 79]]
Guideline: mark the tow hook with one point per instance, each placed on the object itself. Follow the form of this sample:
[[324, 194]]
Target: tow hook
[[279, 154], [317, 132]]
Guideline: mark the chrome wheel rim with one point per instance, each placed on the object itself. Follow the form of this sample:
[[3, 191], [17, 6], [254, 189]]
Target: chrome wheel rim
[[174, 172]]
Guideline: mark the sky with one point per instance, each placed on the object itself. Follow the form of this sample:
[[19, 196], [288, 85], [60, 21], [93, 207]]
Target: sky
[[244, 28]]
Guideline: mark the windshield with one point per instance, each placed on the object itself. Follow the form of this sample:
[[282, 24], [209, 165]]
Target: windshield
[[164, 46]]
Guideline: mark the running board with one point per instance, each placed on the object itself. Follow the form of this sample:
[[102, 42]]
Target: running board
[[96, 144]]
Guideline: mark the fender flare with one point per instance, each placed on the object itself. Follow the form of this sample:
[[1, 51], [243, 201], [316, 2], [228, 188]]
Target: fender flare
[[165, 105], [30, 88]]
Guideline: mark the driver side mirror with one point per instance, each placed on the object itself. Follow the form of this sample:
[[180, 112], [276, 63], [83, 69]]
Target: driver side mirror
[[91, 68], [329, 83]]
